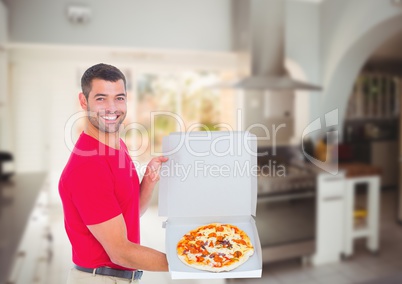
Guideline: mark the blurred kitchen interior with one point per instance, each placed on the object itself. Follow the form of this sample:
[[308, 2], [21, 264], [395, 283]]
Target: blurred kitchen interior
[[172, 52]]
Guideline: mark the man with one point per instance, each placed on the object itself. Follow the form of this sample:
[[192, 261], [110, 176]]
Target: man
[[100, 190]]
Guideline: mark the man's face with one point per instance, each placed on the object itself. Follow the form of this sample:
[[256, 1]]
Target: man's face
[[106, 105]]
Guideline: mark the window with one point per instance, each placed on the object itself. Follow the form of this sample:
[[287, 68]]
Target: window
[[168, 102]]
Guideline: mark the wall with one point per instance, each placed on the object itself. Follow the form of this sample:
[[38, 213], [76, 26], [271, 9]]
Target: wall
[[302, 49], [4, 125], [302, 61], [351, 32], [44, 71], [4, 20], [45, 86], [326, 43], [30, 114], [47, 52], [390, 50], [174, 24], [345, 22]]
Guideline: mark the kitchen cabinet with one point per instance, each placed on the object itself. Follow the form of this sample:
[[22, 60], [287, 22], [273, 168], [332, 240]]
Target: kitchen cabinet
[[375, 95], [384, 154], [374, 142], [330, 219]]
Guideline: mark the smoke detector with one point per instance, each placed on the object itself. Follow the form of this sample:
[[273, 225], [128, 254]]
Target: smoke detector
[[77, 14]]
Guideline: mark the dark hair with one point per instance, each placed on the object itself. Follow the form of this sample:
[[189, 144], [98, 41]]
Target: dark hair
[[100, 71]]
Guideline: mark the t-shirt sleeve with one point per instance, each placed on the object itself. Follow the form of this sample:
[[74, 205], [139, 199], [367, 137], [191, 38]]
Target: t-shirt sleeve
[[92, 192]]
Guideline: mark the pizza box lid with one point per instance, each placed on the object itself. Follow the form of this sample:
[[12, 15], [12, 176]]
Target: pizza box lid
[[209, 173]]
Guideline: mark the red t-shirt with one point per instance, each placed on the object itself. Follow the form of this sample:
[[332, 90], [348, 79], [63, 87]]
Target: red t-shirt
[[97, 184]]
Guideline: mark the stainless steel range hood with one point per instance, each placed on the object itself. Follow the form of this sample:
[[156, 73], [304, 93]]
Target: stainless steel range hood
[[267, 30]]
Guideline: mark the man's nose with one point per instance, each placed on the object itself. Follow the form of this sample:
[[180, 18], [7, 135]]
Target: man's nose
[[111, 107]]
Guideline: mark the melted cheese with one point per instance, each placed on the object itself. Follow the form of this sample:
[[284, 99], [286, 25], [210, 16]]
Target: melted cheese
[[223, 249]]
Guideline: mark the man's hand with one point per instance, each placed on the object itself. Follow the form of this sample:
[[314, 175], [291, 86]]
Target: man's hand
[[152, 173], [151, 177]]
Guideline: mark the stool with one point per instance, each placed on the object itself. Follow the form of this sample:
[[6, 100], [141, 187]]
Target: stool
[[371, 230]]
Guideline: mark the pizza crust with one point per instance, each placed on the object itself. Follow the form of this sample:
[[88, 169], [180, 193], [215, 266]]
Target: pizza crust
[[218, 269], [207, 249]]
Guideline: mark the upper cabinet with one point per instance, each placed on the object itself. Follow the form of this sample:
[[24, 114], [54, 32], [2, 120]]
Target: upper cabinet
[[374, 96], [373, 108]]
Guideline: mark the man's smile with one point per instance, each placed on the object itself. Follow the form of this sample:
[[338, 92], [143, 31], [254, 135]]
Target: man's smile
[[110, 117]]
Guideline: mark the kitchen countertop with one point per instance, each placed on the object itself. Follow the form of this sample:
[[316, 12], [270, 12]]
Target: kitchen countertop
[[352, 169], [358, 169], [312, 167], [17, 198]]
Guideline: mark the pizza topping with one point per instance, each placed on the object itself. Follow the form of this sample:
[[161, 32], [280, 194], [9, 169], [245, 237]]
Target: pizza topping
[[200, 258], [225, 244], [219, 229], [215, 246], [237, 254], [242, 242], [189, 237], [218, 259]]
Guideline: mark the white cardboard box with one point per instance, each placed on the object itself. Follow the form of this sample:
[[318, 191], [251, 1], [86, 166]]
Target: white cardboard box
[[210, 177]]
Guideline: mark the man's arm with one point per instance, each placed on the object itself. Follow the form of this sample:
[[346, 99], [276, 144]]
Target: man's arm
[[151, 177], [112, 235]]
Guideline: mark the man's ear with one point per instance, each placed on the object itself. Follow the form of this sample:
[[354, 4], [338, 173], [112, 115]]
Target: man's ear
[[83, 101]]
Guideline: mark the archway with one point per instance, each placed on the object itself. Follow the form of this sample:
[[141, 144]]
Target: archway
[[340, 84]]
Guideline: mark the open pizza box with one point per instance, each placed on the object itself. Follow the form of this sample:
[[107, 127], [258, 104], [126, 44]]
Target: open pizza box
[[211, 177]]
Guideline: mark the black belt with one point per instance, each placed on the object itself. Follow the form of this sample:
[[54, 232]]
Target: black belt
[[107, 271]]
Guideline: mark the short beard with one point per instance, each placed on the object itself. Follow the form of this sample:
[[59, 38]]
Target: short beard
[[95, 120]]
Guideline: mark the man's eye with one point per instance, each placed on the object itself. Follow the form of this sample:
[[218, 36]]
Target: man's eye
[[100, 99], [121, 99]]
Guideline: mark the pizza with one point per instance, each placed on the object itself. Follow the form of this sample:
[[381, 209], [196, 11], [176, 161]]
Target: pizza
[[215, 247]]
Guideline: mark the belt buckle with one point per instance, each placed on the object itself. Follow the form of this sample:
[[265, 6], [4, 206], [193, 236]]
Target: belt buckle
[[136, 275]]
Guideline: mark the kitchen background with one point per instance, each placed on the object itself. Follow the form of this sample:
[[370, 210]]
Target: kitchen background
[[171, 52]]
